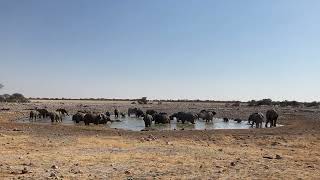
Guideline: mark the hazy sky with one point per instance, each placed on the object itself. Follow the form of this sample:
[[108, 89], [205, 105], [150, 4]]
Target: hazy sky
[[206, 49]]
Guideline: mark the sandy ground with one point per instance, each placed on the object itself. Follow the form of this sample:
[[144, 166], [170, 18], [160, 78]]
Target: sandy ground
[[35, 151]]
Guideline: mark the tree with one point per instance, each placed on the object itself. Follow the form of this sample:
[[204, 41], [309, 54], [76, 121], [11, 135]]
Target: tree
[[143, 100]]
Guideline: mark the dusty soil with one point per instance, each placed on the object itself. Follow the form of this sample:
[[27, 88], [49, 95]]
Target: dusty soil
[[35, 151]]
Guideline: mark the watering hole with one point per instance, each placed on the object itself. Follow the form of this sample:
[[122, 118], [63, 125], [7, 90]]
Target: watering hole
[[135, 124]]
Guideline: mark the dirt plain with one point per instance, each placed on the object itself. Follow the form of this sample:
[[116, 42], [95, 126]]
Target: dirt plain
[[37, 151]]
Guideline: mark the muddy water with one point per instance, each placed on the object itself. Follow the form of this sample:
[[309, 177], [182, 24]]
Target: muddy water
[[134, 124]]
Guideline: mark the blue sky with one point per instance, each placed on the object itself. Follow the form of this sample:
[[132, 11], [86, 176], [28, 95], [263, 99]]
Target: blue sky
[[196, 49]]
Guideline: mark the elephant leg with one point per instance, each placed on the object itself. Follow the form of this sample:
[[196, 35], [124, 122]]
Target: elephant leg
[[275, 123], [267, 122]]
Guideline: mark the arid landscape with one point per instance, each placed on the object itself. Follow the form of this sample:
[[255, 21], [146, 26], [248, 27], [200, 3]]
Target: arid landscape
[[39, 151]]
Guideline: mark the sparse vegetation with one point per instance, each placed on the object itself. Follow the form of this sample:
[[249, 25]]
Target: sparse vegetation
[[143, 100], [16, 97]]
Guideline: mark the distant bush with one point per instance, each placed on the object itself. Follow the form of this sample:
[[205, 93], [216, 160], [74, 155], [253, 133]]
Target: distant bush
[[143, 100], [263, 102], [252, 103], [289, 103], [236, 104], [16, 97], [312, 104]]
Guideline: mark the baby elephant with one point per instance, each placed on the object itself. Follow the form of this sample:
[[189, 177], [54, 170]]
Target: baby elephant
[[147, 120]]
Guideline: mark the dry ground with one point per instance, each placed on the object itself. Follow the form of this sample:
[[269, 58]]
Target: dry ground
[[34, 151]]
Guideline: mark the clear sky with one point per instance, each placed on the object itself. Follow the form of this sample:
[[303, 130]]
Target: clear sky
[[196, 49]]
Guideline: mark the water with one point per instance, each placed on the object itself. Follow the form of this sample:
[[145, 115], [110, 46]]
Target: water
[[134, 124]]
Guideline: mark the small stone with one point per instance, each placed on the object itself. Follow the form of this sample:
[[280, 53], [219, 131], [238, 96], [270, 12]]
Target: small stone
[[54, 167], [232, 164], [267, 157], [278, 157], [127, 172], [53, 174], [25, 171]]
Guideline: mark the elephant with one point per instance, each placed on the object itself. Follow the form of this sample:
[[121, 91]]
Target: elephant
[[238, 120], [116, 113], [78, 117], [225, 120], [151, 112], [95, 119], [272, 117], [43, 113], [102, 119], [184, 117], [139, 113], [147, 120], [206, 115], [161, 118], [256, 118], [108, 114], [34, 115], [62, 111], [55, 117], [132, 111]]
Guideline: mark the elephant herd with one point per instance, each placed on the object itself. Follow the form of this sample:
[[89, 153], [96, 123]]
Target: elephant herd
[[150, 116], [44, 113], [162, 118]]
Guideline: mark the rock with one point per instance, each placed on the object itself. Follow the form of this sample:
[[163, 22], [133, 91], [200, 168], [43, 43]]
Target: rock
[[220, 150], [15, 129], [127, 172], [24, 171], [232, 164], [53, 175], [267, 157], [278, 157], [170, 143], [54, 167]]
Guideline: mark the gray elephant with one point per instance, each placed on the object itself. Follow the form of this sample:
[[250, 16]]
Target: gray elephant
[[151, 112], [184, 117], [78, 117], [206, 115], [256, 118], [147, 120], [62, 111], [34, 115], [102, 119], [132, 111], [161, 118], [116, 113], [55, 117], [272, 117], [95, 119], [43, 113]]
